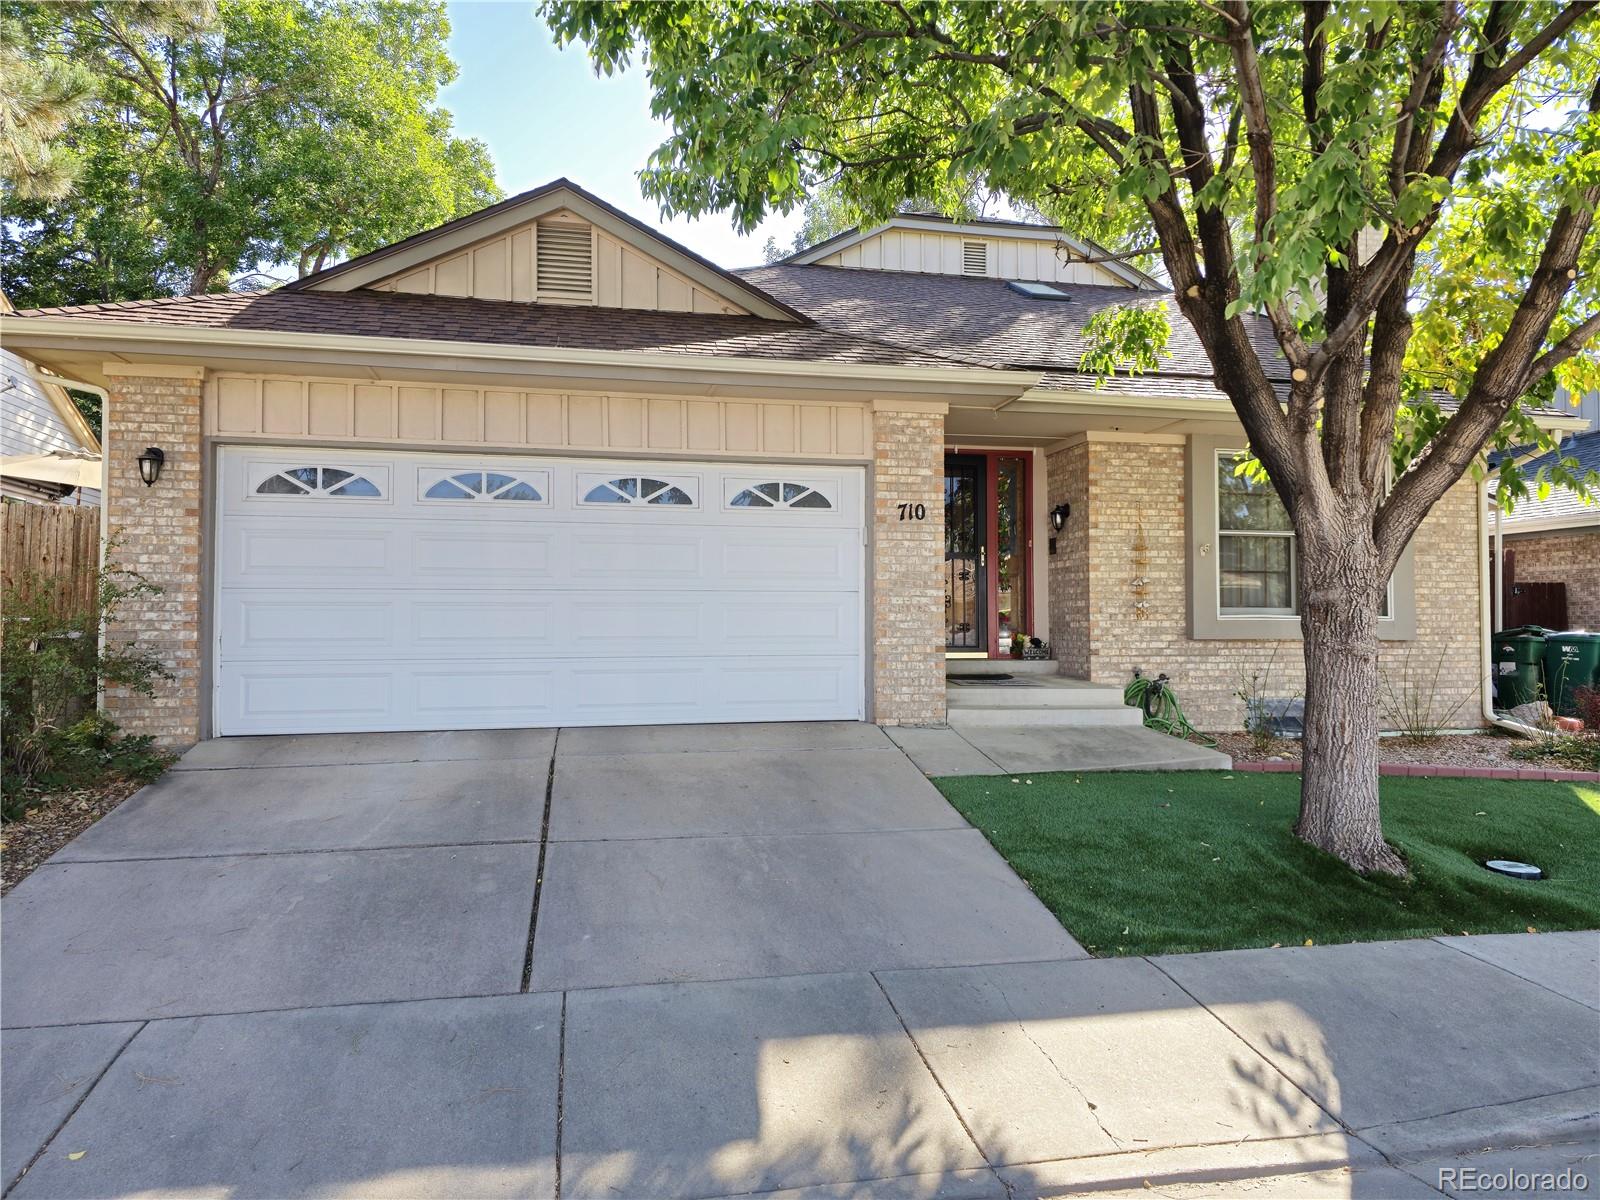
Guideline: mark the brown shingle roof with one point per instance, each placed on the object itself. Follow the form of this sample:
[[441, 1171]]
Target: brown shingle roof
[[499, 322], [984, 320]]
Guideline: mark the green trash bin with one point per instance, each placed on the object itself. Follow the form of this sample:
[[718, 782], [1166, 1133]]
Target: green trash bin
[[1571, 661], [1518, 665]]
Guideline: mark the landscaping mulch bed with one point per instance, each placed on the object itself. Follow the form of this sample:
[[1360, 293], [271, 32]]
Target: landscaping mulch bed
[[1447, 750], [51, 823]]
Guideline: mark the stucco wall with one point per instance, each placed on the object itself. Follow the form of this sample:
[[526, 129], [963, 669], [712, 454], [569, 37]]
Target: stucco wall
[[1570, 556], [1133, 522]]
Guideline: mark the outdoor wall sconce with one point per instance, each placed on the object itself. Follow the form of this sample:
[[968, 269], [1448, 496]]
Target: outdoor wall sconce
[[150, 464], [1058, 521]]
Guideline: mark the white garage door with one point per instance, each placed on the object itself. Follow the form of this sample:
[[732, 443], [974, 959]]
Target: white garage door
[[362, 591]]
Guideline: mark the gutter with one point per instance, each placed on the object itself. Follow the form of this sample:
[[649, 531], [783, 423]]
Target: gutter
[[51, 332]]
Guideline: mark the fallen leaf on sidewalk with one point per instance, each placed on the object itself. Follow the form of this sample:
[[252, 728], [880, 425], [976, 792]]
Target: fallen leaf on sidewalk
[[76, 1155]]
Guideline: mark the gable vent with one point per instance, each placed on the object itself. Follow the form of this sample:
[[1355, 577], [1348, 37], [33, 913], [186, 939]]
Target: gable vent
[[566, 261], [974, 258]]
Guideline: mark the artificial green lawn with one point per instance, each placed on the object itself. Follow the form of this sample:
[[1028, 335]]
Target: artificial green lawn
[[1142, 863]]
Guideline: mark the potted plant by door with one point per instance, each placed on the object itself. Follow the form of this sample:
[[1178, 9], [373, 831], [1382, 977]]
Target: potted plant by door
[[1019, 644]]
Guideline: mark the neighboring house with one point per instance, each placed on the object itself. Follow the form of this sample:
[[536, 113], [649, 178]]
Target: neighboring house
[[39, 418], [542, 465], [1555, 541]]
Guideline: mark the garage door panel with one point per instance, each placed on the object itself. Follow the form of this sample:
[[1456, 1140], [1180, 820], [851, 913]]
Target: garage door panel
[[642, 692], [270, 624], [820, 562], [294, 695], [797, 691], [514, 626], [471, 557], [642, 554], [413, 613], [279, 553], [486, 695], [642, 624], [797, 624]]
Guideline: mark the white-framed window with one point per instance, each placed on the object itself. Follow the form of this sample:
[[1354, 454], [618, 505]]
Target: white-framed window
[[480, 486], [1257, 563], [778, 493], [635, 489], [1255, 546], [319, 481]]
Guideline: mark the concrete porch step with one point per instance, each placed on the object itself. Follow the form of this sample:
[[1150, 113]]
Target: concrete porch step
[[1050, 692], [1037, 700], [1001, 666], [972, 718]]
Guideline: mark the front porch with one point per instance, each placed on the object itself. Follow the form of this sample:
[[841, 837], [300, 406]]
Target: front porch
[[1014, 716], [1124, 549]]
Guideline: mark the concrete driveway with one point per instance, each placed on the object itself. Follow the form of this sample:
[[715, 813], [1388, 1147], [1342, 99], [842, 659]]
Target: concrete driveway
[[695, 962]]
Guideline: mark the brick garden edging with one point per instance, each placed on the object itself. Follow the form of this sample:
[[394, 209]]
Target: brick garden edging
[[1538, 774]]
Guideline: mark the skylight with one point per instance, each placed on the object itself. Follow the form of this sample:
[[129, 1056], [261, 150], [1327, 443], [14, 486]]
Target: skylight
[[1037, 291]]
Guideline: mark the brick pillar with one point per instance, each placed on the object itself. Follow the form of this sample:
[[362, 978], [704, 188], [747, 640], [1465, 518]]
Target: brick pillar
[[907, 555], [156, 532], [1067, 482]]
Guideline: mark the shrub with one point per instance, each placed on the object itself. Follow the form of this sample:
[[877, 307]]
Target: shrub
[[1410, 700], [53, 662], [1254, 689]]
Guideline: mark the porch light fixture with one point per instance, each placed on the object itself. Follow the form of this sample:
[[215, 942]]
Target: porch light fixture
[[1058, 521], [150, 464]]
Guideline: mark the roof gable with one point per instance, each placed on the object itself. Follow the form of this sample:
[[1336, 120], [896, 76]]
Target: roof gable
[[494, 255], [926, 244]]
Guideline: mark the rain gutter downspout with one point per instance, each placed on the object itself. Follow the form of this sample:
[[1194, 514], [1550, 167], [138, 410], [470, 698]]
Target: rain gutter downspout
[[1486, 611]]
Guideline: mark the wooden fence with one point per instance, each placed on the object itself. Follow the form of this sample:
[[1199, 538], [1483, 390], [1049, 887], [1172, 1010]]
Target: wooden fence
[[58, 544]]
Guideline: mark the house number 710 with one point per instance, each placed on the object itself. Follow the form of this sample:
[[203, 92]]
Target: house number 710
[[913, 512]]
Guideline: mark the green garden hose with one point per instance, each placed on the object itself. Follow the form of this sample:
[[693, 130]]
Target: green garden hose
[[1159, 703]]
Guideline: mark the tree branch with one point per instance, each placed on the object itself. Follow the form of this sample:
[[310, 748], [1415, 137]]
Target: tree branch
[[1487, 75], [1423, 79], [1581, 335], [1501, 379], [1263, 164]]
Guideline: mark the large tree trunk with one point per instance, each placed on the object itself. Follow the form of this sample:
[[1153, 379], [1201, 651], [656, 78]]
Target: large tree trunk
[[1341, 595]]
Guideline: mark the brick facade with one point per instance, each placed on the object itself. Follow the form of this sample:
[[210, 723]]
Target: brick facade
[[1569, 556], [1067, 570], [907, 593], [156, 532], [1128, 524]]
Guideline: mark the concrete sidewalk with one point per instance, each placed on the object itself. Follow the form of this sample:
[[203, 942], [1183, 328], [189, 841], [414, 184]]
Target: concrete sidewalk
[[1344, 1071]]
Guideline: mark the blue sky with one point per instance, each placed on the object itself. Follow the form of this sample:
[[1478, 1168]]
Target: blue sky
[[544, 113]]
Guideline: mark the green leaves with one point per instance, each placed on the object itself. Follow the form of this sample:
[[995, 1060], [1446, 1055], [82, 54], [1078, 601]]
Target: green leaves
[[1131, 336], [242, 141]]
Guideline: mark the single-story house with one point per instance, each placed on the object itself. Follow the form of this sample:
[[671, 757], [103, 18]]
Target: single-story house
[[542, 465], [1555, 542], [46, 444]]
